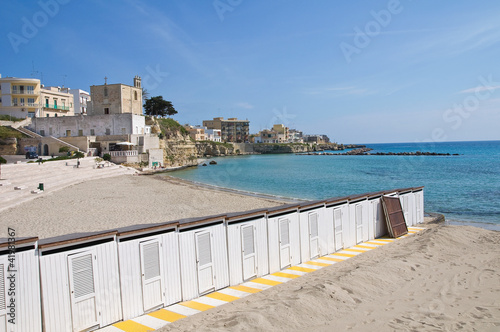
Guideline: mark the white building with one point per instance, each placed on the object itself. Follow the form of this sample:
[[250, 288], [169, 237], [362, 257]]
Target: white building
[[81, 100], [213, 135]]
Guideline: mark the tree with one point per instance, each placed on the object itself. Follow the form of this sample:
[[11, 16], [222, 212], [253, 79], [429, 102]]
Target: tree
[[157, 106], [145, 94]]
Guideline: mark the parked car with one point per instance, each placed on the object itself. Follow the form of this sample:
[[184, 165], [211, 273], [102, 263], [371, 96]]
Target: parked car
[[31, 155]]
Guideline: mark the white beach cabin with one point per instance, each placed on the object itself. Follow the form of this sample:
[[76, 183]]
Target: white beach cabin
[[377, 226], [407, 199], [337, 223], [20, 308], [283, 237], [313, 230], [149, 267], [247, 245], [358, 220], [80, 281], [418, 192], [203, 256]]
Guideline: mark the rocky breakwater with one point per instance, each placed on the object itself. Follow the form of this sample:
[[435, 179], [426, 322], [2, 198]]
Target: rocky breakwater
[[418, 153], [270, 148]]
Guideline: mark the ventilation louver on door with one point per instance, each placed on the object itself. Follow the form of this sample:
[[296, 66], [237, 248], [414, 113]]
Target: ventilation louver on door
[[248, 240], [83, 276], [285, 233], [314, 225], [151, 257], [204, 252]]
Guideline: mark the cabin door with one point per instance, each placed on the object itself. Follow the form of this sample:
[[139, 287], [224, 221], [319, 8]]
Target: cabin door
[[152, 290], [418, 207], [377, 224], [3, 295], [358, 214], [404, 203], [313, 235], [204, 259], [248, 248], [82, 276], [285, 250], [337, 221]]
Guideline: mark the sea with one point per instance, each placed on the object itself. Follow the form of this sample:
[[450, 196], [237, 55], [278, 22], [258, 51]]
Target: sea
[[464, 187]]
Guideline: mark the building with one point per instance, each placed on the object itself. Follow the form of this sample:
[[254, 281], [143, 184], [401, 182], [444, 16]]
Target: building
[[196, 132], [283, 132], [232, 129], [20, 97], [81, 100], [295, 136], [55, 102], [213, 135], [116, 98], [317, 139]]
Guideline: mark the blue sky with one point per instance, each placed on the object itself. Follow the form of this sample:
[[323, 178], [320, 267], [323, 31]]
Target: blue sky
[[358, 71]]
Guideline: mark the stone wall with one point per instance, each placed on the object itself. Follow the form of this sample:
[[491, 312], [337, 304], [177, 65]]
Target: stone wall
[[8, 146], [268, 148]]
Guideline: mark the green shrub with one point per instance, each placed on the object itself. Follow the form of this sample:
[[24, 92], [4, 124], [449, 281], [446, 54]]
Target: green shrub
[[6, 117], [106, 157], [8, 132], [64, 149], [2, 160], [79, 154]]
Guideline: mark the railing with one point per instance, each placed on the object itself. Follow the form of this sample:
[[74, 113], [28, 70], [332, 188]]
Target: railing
[[56, 107], [23, 92], [124, 153]]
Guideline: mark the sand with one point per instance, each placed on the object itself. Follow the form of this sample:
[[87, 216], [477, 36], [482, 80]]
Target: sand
[[446, 278], [120, 201]]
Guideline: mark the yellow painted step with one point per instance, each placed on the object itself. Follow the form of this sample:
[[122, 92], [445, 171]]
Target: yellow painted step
[[316, 263], [197, 305], [246, 289], [166, 315], [301, 269], [266, 281], [343, 255], [362, 246], [131, 326], [285, 275], [222, 297], [332, 259], [354, 250]]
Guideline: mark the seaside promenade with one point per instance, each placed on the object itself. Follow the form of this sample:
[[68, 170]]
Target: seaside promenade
[[19, 182]]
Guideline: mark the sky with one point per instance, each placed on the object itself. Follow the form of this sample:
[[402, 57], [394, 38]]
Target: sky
[[357, 71]]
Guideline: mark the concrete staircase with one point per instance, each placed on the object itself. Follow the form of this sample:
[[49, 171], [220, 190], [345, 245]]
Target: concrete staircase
[[54, 175]]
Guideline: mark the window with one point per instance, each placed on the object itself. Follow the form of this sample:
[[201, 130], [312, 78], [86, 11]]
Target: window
[[14, 89], [42, 132], [21, 101], [55, 115], [31, 114], [105, 92], [47, 102], [47, 115], [30, 90], [106, 110], [50, 131], [55, 103], [108, 131], [80, 132], [135, 95], [92, 132], [68, 132], [31, 101], [14, 101]]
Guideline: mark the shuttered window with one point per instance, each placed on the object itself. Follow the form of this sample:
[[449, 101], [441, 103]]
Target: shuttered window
[[2, 287], [337, 215], [248, 242], [359, 216], [204, 252], [313, 220], [284, 232], [83, 275], [151, 257]]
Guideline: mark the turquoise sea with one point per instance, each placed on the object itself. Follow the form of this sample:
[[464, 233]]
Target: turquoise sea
[[465, 188]]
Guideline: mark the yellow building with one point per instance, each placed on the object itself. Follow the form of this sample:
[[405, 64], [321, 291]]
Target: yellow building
[[55, 102], [20, 97], [196, 133], [232, 129], [116, 98]]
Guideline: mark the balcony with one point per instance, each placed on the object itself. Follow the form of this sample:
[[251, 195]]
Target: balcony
[[23, 92], [56, 107]]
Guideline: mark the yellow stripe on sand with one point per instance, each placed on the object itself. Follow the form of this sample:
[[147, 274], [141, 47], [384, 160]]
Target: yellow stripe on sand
[[266, 281], [362, 246], [131, 326], [285, 275], [246, 289], [197, 305], [222, 297], [331, 259], [167, 315], [354, 250], [316, 263], [301, 269], [342, 254]]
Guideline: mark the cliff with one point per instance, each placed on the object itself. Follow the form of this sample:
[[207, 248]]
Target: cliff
[[266, 148]]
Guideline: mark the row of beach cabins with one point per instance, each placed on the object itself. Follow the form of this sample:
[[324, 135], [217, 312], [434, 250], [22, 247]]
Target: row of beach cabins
[[85, 281]]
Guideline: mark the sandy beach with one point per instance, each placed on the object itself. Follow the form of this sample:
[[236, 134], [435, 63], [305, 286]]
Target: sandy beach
[[445, 278], [121, 201]]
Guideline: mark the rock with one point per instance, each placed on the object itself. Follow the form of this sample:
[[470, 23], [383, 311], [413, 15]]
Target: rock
[[204, 164], [213, 162]]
